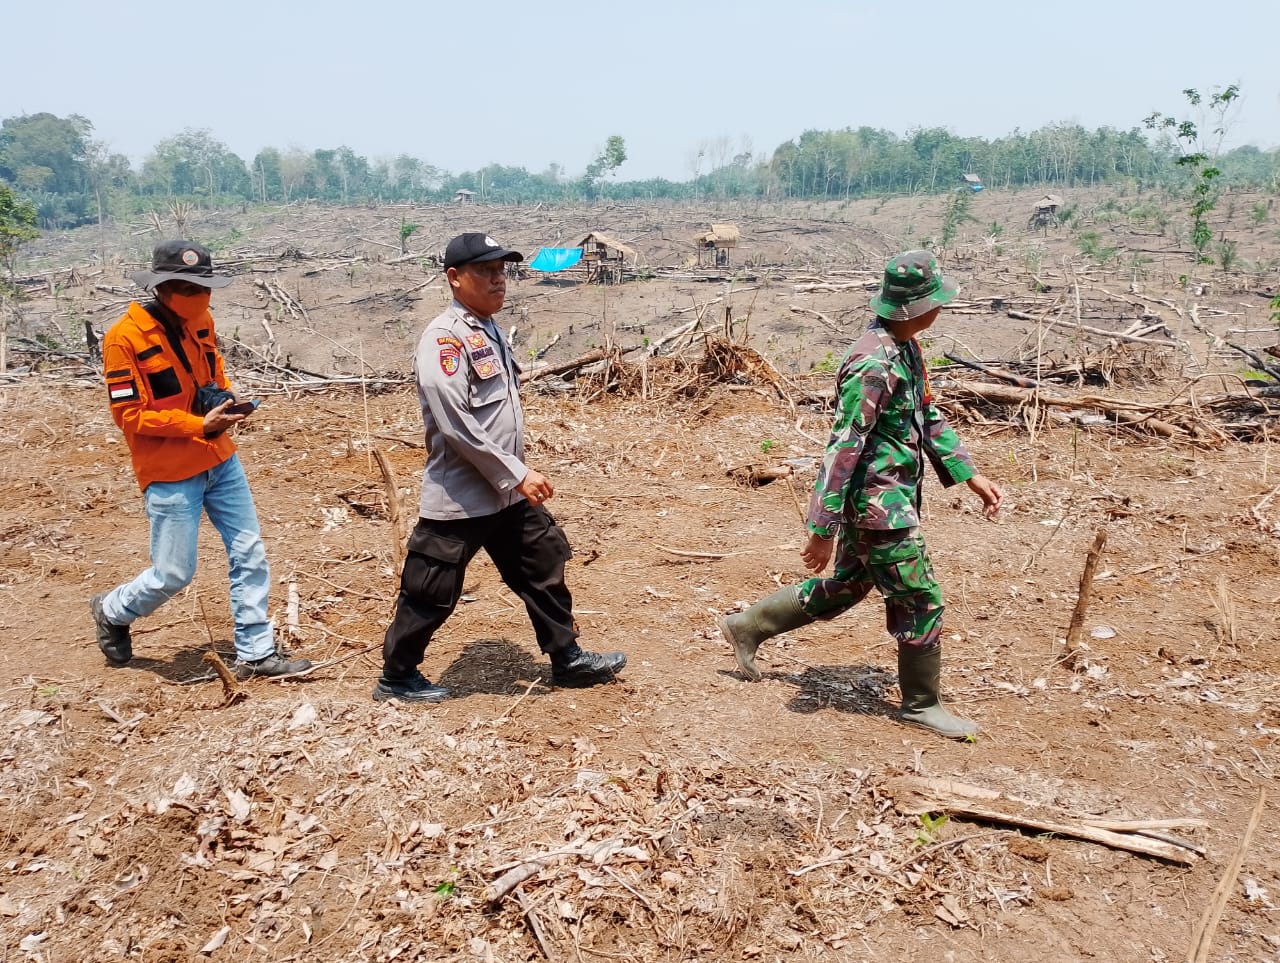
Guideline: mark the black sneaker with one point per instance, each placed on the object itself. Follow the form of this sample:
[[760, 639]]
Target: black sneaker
[[277, 663], [414, 688], [114, 640], [578, 668]]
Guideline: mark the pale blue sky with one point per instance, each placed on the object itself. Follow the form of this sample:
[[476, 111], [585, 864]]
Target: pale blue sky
[[527, 84]]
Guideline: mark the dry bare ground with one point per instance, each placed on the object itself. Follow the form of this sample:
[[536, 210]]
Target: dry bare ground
[[681, 813]]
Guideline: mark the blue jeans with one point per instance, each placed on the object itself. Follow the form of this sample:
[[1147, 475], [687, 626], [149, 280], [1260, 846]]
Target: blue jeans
[[174, 509]]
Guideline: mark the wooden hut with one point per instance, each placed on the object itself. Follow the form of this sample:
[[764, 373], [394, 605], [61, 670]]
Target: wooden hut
[[606, 257], [463, 196], [1044, 212], [720, 239], [972, 181]]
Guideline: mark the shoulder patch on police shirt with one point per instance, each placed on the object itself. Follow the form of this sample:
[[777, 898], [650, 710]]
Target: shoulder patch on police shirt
[[449, 339], [449, 359], [122, 389]]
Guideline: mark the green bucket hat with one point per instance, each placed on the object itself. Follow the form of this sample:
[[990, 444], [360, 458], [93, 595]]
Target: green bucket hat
[[913, 285]]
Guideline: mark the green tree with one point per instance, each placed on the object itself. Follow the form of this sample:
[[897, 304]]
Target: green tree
[[17, 226], [297, 174], [407, 230], [194, 164], [46, 157], [613, 156], [45, 153], [268, 184], [957, 213], [1199, 158]]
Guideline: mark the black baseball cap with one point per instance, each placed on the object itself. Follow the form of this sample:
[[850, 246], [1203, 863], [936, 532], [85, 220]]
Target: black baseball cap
[[475, 246], [180, 261]]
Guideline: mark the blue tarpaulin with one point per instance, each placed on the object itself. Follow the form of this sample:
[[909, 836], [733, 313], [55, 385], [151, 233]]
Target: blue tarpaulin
[[556, 258]]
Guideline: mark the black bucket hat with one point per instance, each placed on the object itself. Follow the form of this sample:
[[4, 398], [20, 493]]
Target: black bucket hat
[[180, 261], [913, 285]]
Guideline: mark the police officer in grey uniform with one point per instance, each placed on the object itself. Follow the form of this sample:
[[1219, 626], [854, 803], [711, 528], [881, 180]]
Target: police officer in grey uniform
[[477, 491]]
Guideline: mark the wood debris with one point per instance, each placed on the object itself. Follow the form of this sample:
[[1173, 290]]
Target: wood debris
[[917, 795]]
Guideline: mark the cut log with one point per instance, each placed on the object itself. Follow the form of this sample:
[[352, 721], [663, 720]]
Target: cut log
[[915, 795], [759, 475]]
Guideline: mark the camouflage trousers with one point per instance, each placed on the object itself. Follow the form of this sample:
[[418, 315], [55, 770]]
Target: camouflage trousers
[[896, 563]]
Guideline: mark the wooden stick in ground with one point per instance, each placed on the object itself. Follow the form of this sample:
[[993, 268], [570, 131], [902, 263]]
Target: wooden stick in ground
[[398, 532], [1082, 597], [796, 501], [291, 610], [232, 691], [1199, 952]]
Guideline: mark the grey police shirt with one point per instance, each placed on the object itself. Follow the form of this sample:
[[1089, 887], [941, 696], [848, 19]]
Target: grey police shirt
[[468, 387]]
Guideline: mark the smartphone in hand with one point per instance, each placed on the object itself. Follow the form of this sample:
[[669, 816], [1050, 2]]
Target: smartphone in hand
[[242, 408]]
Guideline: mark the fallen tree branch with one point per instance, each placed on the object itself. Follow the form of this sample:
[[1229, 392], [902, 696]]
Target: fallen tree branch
[[1014, 379], [684, 554], [820, 316], [756, 476], [1100, 332], [914, 795], [1213, 913], [1133, 413]]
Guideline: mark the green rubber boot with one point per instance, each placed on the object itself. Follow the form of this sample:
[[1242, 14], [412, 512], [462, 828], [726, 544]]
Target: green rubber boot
[[772, 615], [919, 673]]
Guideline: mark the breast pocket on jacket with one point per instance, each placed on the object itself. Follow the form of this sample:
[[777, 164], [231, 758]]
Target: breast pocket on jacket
[[160, 375], [488, 391]]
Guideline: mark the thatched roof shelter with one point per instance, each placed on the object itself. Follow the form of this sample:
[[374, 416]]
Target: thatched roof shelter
[[1050, 202], [597, 244], [721, 235]]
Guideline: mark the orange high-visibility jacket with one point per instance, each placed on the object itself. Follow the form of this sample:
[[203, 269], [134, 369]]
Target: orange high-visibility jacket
[[150, 393]]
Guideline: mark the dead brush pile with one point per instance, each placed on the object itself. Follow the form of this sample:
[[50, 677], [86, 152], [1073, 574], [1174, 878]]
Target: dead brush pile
[[341, 831], [690, 374]]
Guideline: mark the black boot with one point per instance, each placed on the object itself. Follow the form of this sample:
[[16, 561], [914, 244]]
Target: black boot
[[575, 667], [919, 677], [772, 615], [114, 640], [411, 688]]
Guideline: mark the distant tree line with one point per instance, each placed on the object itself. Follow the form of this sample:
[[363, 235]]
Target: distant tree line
[[72, 179]]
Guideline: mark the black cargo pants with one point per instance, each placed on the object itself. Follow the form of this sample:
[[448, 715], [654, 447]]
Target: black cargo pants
[[529, 550]]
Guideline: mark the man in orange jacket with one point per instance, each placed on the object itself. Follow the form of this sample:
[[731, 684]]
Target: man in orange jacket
[[170, 396]]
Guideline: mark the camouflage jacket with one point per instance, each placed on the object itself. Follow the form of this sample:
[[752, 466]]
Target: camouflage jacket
[[885, 426]]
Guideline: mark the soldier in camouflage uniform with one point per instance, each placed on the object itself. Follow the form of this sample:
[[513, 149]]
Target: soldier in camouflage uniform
[[866, 502]]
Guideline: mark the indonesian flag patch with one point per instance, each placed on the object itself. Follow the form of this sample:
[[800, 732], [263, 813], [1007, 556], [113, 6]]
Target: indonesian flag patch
[[449, 359], [122, 391]]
